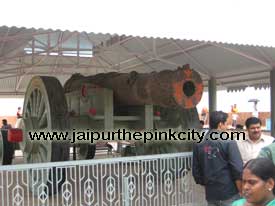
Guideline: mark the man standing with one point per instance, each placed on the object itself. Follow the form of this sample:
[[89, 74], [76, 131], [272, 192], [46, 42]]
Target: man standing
[[9, 146], [217, 164], [5, 124], [255, 140]]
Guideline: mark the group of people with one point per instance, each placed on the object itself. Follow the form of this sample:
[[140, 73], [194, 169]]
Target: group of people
[[234, 115], [236, 173], [6, 125]]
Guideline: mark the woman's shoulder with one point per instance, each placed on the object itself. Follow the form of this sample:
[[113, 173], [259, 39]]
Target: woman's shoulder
[[272, 203], [239, 202]]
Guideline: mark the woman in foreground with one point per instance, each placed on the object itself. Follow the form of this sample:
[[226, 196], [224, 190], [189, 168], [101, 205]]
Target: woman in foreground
[[258, 183]]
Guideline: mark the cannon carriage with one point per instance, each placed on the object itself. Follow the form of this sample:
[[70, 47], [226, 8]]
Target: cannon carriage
[[109, 101]]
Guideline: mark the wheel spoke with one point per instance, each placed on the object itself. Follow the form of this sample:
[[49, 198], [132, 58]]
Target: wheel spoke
[[28, 110], [34, 99], [31, 104], [37, 104], [29, 157], [43, 151], [42, 108], [43, 120]]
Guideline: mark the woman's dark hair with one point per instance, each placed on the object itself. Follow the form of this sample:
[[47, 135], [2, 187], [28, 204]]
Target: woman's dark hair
[[252, 120], [217, 117], [239, 126], [263, 168]]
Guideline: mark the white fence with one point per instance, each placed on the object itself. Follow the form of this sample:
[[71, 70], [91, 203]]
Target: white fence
[[134, 181]]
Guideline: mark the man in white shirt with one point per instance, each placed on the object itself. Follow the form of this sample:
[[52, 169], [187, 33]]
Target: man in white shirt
[[255, 140]]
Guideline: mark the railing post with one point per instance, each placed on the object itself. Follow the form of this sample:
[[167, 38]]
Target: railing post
[[125, 197]]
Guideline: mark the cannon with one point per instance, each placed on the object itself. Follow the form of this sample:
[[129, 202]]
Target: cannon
[[106, 101], [181, 88]]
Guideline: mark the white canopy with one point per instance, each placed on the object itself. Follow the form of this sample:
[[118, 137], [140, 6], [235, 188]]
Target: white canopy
[[28, 52]]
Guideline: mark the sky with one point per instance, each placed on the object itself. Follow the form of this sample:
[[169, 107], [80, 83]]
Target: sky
[[9, 106], [235, 21]]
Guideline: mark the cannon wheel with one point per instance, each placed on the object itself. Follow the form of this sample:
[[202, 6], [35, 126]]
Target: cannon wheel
[[86, 151], [45, 108]]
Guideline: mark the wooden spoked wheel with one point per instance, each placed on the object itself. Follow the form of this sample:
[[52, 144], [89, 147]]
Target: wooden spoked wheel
[[45, 110]]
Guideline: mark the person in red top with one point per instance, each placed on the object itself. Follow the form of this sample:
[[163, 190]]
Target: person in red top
[[234, 111], [18, 114]]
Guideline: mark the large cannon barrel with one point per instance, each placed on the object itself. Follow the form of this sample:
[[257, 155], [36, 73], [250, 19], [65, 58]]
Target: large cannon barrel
[[179, 88]]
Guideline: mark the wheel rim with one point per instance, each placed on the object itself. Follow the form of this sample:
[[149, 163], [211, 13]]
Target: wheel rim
[[44, 109]]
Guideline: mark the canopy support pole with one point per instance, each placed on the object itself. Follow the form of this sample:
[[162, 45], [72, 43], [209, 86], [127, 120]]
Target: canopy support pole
[[212, 90], [272, 101]]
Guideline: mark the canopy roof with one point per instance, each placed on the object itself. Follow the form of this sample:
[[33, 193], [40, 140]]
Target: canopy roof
[[244, 22], [27, 52]]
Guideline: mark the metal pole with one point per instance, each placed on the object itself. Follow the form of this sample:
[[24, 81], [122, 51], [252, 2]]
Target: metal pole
[[212, 90], [149, 117], [272, 101], [108, 110]]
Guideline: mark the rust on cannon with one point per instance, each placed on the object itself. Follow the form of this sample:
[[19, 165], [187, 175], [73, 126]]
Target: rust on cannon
[[179, 88]]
